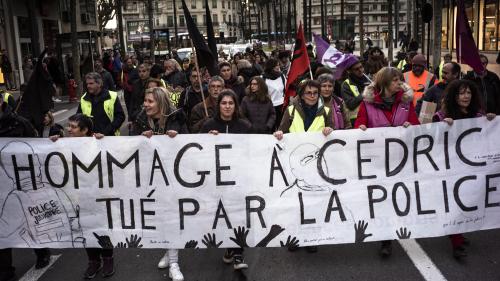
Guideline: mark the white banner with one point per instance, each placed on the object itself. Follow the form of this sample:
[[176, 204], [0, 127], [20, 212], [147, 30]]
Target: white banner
[[251, 190]]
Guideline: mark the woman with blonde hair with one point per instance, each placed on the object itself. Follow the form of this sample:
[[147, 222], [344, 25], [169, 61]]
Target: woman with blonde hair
[[387, 102], [160, 117]]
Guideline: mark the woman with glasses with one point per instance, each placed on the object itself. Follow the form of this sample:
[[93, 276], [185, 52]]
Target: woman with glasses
[[307, 113]]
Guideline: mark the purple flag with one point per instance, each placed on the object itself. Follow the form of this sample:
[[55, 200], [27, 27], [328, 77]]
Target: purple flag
[[332, 58], [467, 51]]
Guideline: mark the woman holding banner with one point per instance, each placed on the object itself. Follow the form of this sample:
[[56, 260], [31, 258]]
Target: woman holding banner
[[227, 120], [387, 102], [80, 125], [461, 101], [307, 113], [160, 117]]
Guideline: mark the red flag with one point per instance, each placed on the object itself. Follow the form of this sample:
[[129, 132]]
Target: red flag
[[299, 65], [467, 51]]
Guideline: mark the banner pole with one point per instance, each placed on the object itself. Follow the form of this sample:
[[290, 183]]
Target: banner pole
[[199, 76]]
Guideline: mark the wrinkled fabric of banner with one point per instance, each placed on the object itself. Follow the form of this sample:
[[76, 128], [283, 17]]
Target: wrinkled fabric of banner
[[251, 190]]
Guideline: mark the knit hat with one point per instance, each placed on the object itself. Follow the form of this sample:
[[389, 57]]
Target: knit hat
[[419, 60]]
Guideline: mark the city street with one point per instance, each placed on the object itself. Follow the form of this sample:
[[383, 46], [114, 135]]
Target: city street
[[422, 259], [333, 262]]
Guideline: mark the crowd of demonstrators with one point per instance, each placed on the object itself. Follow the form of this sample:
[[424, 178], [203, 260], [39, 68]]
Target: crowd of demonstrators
[[172, 97]]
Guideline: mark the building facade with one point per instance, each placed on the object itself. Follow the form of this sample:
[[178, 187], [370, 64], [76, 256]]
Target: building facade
[[483, 16], [28, 26], [225, 19]]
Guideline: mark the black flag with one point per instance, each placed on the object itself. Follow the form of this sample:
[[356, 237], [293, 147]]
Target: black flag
[[203, 53], [210, 32], [37, 98]]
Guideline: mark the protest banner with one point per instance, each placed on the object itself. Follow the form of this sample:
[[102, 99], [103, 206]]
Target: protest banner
[[251, 190]]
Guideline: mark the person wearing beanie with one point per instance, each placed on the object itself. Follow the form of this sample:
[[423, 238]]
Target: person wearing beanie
[[419, 78], [353, 86]]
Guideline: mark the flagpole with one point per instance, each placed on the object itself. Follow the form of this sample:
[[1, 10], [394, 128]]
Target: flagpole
[[199, 76]]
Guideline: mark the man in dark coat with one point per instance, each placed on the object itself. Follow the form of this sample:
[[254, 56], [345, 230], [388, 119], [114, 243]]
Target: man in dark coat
[[488, 84]]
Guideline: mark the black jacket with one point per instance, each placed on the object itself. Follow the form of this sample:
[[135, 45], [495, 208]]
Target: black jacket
[[175, 79], [136, 99], [176, 121], [189, 98], [434, 94], [235, 126], [15, 126], [102, 124]]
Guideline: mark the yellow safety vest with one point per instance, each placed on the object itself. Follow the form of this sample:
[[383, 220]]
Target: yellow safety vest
[[352, 114], [441, 71], [297, 125], [401, 64], [6, 97], [109, 107]]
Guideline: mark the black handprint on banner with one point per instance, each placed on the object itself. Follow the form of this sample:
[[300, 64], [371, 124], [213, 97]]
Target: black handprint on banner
[[273, 232], [121, 245], [403, 233], [191, 244], [240, 236], [360, 231], [210, 242], [134, 241], [104, 241], [292, 243]]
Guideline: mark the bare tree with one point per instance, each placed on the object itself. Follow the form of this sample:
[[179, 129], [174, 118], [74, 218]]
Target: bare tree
[[106, 10], [75, 50], [119, 7], [151, 31], [361, 29], [438, 23], [390, 4]]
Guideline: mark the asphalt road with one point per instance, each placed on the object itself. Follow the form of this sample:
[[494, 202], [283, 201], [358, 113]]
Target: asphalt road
[[332, 262]]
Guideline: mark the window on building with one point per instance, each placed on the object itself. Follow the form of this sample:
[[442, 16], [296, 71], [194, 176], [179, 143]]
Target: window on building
[[130, 6], [229, 4], [170, 5], [204, 20], [157, 22], [170, 21], [182, 22], [214, 3], [203, 4], [383, 7], [490, 26], [88, 11], [195, 19], [224, 18], [193, 4], [215, 20], [222, 4], [230, 19]]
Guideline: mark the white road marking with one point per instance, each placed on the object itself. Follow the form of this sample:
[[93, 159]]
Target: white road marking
[[60, 112], [34, 274], [422, 262]]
